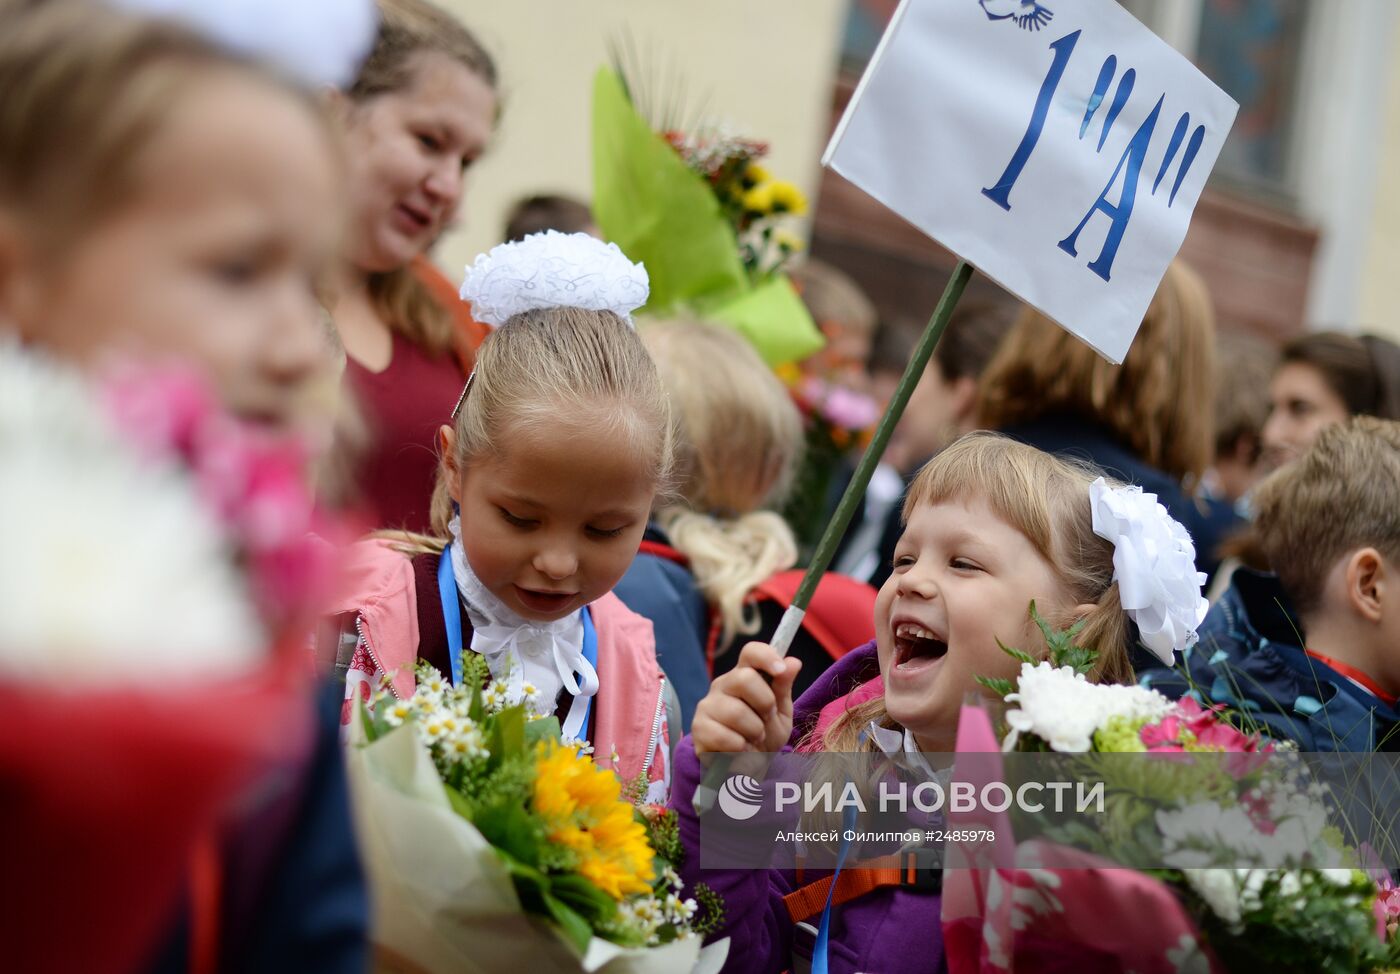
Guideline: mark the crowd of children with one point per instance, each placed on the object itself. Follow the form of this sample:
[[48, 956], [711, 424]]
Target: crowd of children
[[591, 502]]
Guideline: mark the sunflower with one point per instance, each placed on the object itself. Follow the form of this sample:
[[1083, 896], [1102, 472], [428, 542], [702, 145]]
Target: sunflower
[[582, 809], [753, 175], [759, 200], [786, 197]]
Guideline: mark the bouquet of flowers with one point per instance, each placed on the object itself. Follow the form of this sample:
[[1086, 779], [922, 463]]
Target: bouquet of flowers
[[491, 844], [837, 421], [156, 562], [704, 217], [749, 197], [1246, 868]]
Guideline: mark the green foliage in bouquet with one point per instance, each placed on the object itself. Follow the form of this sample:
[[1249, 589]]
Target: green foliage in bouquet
[[1303, 921], [651, 202], [1061, 650], [577, 851]]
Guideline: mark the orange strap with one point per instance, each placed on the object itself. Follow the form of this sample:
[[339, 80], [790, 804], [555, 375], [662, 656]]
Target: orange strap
[[807, 901], [206, 880]]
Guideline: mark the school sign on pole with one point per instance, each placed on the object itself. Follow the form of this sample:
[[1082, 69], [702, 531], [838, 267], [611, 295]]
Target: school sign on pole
[[1058, 146]]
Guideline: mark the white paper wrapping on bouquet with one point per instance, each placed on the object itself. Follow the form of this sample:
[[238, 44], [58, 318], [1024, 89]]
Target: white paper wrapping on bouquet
[[443, 901]]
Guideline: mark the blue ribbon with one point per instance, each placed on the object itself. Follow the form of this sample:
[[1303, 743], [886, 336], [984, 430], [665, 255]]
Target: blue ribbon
[[451, 613], [848, 822], [590, 653], [452, 620]]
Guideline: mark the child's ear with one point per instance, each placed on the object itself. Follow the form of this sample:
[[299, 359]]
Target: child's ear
[[447, 450], [1367, 583], [1082, 611]]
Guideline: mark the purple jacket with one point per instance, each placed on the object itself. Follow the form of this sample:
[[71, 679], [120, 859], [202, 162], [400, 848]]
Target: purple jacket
[[889, 930]]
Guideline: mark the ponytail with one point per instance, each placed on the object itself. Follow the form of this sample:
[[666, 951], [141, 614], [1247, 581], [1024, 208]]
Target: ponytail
[[729, 557]]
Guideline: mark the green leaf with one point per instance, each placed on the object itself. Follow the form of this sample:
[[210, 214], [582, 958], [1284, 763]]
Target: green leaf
[[460, 805], [1016, 654], [576, 929], [374, 727], [506, 734], [583, 896], [1079, 658], [544, 729], [997, 685], [510, 828]]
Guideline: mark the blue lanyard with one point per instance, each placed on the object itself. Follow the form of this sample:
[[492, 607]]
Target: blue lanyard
[[848, 822], [451, 613], [452, 619]]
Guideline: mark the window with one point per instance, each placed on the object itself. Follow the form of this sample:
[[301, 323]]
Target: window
[[1254, 50]]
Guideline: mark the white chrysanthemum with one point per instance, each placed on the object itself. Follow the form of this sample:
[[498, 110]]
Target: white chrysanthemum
[[112, 568], [553, 270], [1203, 834], [1063, 708], [1220, 890], [1154, 564], [321, 42]]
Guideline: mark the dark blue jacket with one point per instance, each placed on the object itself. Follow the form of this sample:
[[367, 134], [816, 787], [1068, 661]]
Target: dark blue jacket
[[293, 896], [665, 592], [1250, 657], [1081, 439]]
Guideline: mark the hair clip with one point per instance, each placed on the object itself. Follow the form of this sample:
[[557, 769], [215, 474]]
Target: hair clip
[[463, 397]]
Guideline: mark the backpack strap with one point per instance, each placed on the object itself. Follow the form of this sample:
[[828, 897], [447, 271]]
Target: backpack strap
[[660, 549], [807, 901]]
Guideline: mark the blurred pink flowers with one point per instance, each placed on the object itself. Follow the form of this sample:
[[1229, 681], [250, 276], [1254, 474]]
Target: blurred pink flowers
[[252, 479], [839, 405]]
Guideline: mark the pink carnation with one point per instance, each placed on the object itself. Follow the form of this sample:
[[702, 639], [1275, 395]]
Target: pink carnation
[[1165, 735], [1387, 910]]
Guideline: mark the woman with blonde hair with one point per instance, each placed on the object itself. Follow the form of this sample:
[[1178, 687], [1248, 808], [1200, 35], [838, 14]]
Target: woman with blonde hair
[[710, 553], [1146, 422]]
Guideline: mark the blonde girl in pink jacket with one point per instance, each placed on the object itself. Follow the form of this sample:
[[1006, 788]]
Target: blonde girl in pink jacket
[[559, 445]]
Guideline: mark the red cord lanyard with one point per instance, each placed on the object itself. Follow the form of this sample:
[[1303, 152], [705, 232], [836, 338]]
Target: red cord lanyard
[[1356, 676]]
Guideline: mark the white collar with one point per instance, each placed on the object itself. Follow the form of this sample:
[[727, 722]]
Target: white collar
[[892, 742], [548, 655]]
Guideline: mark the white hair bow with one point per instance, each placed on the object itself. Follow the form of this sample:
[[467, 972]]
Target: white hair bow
[[553, 270], [1154, 564]]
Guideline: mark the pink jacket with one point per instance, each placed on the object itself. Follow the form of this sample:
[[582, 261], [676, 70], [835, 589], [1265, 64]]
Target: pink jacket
[[629, 712]]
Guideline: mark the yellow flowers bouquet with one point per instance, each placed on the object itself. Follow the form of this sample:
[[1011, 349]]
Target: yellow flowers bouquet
[[695, 206], [493, 845]]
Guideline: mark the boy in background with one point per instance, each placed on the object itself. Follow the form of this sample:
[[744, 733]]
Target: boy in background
[[1312, 652]]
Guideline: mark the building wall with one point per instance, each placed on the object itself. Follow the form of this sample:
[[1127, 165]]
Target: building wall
[[1380, 273], [765, 68]]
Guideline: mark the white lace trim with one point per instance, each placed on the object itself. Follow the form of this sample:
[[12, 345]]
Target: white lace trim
[[518, 650], [553, 270]]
